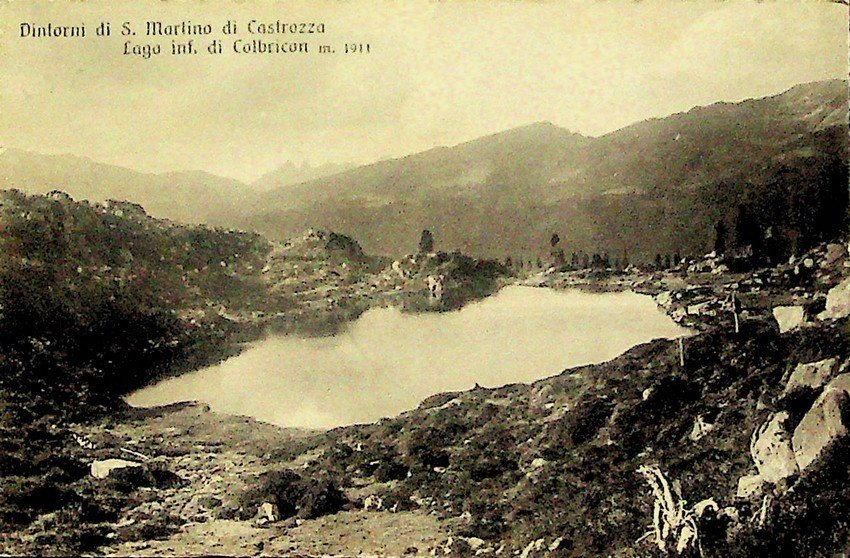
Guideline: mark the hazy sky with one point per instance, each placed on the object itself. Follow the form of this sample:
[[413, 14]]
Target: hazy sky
[[439, 73]]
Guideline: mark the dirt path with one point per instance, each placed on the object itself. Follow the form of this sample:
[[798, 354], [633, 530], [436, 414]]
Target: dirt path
[[216, 457], [355, 533]]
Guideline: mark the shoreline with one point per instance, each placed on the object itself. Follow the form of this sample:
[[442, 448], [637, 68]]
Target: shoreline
[[195, 444]]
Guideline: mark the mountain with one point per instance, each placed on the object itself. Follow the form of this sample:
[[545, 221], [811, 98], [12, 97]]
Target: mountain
[[290, 173], [657, 186], [191, 197], [660, 186]]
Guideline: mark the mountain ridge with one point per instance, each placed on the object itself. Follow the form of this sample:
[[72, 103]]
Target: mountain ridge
[[506, 193]]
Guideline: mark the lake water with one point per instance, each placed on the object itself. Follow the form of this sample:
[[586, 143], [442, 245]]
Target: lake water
[[387, 361]]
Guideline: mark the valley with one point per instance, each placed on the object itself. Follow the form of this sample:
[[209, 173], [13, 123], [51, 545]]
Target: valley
[[674, 298]]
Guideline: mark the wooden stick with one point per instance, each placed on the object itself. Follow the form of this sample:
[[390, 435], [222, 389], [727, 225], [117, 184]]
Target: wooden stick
[[681, 353], [135, 453]]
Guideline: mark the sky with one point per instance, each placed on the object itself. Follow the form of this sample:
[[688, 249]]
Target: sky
[[438, 73]]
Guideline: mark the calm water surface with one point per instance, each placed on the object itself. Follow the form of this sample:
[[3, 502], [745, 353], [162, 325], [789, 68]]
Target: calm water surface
[[386, 362]]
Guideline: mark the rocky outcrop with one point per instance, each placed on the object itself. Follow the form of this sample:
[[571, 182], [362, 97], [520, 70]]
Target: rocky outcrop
[[826, 422]]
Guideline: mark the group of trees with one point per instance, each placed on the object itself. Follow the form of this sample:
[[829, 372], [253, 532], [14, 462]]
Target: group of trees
[[749, 238], [588, 260]]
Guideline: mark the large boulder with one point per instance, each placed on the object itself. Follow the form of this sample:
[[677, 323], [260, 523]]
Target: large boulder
[[826, 422], [103, 468], [771, 450], [789, 318], [812, 375], [837, 301]]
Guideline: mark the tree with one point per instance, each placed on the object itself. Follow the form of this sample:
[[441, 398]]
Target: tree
[[426, 242], [720, 237], [667, 263], [559, 258], [747, 234], [657, 261], [554, 240]]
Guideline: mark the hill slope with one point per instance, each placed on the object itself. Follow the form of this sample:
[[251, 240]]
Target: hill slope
[[655, 186], [190, 197]]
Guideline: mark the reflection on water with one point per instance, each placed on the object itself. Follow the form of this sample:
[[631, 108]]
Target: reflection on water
[[387, 361]]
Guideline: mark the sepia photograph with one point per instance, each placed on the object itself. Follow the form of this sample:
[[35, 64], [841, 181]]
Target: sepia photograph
[[509, 279]]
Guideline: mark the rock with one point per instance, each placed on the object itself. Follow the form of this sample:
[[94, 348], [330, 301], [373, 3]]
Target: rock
[[664, 299], [789, 317], [537, 462], [703, 506], [834, 252], [771, 450], [750, 485], [700, 429], [373, 502], [474, 542], [267, 513], [199, 507], [837, 302], [101, 469], [533, 547], [812, 375], [825, 422]]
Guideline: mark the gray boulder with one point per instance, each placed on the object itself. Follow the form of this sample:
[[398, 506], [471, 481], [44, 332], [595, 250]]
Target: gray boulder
[[826, 422], [812, 375], [789, 317], [101, 469], [834, 252], [837, 302]]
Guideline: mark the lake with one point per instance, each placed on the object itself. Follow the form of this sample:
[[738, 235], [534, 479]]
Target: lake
[[388, 361]]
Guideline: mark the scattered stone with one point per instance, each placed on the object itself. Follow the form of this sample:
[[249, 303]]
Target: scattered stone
[[534, 546], [474, 542], [771, 450], [825, 422], [700, 429], [373, 502], [537, 462]]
